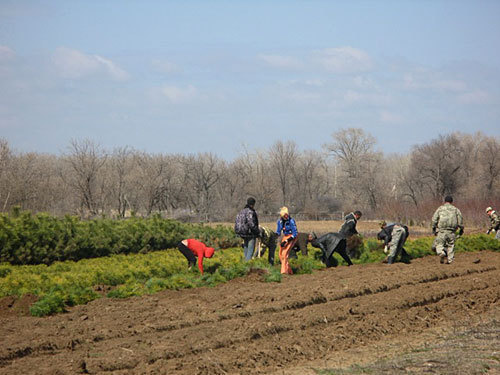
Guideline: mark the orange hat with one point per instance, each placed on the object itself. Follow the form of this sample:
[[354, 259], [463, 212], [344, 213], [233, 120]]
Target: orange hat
[[209, 252]]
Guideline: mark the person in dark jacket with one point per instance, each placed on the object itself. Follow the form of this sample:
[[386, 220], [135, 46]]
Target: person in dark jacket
[[247, 227], [348, 229], [300, 245], [394, 237], [330, 243]]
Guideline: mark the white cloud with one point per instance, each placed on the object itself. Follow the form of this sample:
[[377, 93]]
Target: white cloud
[[6, 53], [72, 63], [164, 66], [277, 61], [390, 117], [176, 94], [367, 98], [429, 81], [474, 97], [343, 60], [302, 96]]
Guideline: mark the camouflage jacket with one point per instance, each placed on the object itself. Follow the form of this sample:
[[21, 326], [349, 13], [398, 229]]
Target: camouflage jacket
[[447, 217], [267, 236], [494, 221]]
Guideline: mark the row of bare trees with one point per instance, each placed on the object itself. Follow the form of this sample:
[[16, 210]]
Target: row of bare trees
[[347, 173]]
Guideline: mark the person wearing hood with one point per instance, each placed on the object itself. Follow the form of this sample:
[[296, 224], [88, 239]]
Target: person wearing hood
[[330, 243], [348, 229], [193, 249], [287, 225]]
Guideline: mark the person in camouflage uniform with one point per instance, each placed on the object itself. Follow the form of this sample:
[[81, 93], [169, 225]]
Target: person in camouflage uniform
[[394, 236], [494, 222], [445, 222], [268, 240]]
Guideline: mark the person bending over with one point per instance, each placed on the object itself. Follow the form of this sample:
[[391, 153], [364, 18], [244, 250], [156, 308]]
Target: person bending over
[[330, 243], [193, 249]]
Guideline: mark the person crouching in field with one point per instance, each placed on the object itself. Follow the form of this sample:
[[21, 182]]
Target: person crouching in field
[[330, 243], [192, 249], [300, 245], [494, 222], [267, 240], [394, 237], [287, 225]]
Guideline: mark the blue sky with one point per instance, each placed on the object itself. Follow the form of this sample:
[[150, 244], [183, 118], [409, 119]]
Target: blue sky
[[212, 76]]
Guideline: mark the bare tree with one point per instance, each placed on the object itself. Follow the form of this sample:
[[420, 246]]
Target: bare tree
[[439, 164], [85, 159], [307, 181], [152, 179], [203, 172], [256, 172], [5, 158], [283, 157], [358, 178], [352, 147], [121, 164], [489, 164]]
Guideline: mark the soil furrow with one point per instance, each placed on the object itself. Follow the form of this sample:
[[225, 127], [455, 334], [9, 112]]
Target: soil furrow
[[251, 327]]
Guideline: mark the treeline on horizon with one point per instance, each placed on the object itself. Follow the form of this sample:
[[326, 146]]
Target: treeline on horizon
[[347, 173]]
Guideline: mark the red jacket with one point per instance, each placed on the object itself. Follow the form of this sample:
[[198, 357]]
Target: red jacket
[[200, 250]]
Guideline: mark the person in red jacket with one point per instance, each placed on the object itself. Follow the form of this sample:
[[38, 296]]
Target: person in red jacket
[[192, 248]]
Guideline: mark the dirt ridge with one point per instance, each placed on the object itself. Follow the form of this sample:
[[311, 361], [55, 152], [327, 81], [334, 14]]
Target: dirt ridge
[[252, 327]]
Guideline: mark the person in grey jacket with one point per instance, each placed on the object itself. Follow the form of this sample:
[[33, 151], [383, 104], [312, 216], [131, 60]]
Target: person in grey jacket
[[330, 243]]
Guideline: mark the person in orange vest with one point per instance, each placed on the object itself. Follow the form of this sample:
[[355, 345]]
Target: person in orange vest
[[287, 225], [193, 249]]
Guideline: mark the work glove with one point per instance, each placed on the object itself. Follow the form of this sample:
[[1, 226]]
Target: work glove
[[488, 231], [386, 250]]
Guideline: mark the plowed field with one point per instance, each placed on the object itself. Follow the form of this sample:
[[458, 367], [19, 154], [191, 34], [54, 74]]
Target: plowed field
[[334, 317]]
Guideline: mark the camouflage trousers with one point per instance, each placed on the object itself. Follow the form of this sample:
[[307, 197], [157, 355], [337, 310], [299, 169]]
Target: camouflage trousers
[[396, 244], [445, 244]]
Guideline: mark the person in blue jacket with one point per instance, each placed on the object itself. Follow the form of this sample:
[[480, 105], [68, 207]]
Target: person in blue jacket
[[288, 227]]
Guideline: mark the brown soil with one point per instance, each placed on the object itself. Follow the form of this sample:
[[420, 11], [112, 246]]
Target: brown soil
[[367, 228], [330, 319]]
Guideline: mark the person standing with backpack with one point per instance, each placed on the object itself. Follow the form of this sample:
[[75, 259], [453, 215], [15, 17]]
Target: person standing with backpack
[[247, 227]]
